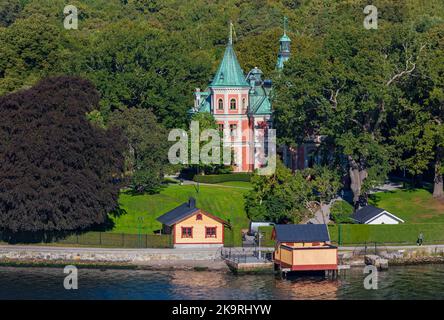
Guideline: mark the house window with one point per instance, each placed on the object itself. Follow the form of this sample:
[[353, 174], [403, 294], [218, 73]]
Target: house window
[[210, 232], [233, 104], [244, 106], [221, 127], [187, 232], [233, 128], [199, 217], [220, 104]]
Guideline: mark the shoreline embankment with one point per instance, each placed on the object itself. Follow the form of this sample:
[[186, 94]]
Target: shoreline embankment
[[112, 258], [192, 259]]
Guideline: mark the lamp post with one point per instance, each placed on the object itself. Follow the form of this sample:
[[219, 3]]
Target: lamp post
[[259, 236]]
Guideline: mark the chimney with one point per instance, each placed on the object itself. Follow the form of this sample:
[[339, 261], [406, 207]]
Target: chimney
[[192, 203]]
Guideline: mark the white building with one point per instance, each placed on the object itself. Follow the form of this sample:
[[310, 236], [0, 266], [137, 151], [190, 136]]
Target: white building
[[373, 215]]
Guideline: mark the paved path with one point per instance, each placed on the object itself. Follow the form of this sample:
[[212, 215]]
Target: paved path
[[392, 247], [190, 182], [321, 216], [189, 250], [98, 250], [388, 186], [194, 183]]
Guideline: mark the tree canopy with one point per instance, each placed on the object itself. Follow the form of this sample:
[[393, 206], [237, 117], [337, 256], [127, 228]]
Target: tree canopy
[[58, 171], [375, 97], [349, 86], [147, 149]]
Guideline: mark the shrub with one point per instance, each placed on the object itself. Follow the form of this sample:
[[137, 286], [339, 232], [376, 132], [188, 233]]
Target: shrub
[[341, 212]]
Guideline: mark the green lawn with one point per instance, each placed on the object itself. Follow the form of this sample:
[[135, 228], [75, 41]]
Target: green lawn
[[421, 213], [227, 203], [411, 205], [388, 234]]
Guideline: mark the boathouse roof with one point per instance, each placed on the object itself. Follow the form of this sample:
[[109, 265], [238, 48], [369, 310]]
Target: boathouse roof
[[301, 232]]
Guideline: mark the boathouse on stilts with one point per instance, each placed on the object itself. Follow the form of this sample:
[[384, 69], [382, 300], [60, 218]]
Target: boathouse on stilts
[[304, 247]]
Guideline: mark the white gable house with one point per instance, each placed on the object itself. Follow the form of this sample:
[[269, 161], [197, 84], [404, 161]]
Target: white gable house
[[373, 215]]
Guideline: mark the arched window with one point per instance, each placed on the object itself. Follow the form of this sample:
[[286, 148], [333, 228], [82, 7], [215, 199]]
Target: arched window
[[220, 104], [233, 104], [244, 104], [199, 217]]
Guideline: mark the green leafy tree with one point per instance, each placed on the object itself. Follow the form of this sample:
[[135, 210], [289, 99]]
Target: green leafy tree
[[9, 10], [136, 65], [326, 183], [207, 121], [280, 196], [343, 87], [341, 212], [147, 152], [31, 49], [420, 126]]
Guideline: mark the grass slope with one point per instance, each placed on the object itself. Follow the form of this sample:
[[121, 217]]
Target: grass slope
[[411, 205], [224, 202]]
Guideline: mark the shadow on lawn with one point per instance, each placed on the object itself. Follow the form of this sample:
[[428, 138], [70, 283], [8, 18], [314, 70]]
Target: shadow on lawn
[[136, 192], [28, 237]]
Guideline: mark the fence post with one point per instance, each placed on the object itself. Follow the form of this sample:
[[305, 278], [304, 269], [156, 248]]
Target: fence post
[[100, 237], [340, 234], [123, 239], [146, 241]]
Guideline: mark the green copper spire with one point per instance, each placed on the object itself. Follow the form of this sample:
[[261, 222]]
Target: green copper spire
[[230, 73], [284, 47]]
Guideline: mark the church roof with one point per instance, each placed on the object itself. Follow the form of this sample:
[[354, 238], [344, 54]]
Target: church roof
[[285, 38], [259, 101], [230, 73]]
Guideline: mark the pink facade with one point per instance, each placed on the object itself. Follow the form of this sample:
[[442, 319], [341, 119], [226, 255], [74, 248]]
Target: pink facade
[[241, 107]]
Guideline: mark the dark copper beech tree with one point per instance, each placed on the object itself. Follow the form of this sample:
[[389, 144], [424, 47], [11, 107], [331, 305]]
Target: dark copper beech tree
[[58, 171]]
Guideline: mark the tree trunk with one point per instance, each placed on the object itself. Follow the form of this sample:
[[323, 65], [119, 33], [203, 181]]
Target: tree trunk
[[357, 177], [438, 191]]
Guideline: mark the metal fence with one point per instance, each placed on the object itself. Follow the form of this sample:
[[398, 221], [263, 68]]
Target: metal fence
[[114, 240], [244, 256]]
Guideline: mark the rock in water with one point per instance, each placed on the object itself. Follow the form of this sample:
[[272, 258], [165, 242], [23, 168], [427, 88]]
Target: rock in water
[[377, 261]]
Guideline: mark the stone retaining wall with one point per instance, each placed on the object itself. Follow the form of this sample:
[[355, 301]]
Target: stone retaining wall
[[105, 255], [401, 256]]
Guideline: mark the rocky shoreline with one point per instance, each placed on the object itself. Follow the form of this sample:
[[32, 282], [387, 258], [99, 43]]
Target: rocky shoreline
[[417, 261], [161, 265], [177, 259]]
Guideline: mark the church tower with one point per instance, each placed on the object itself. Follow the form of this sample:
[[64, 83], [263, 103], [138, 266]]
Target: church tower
[[241, 107], [284, 48]]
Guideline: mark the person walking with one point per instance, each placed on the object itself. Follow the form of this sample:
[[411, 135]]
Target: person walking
[[420, 239]]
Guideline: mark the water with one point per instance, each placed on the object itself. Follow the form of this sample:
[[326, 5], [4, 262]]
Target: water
[[413, 282]]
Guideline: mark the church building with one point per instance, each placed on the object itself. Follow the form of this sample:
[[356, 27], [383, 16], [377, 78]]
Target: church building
[[241, 106]]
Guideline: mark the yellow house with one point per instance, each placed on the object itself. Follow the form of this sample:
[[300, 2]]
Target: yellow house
[[193, 227], [304, 247]]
